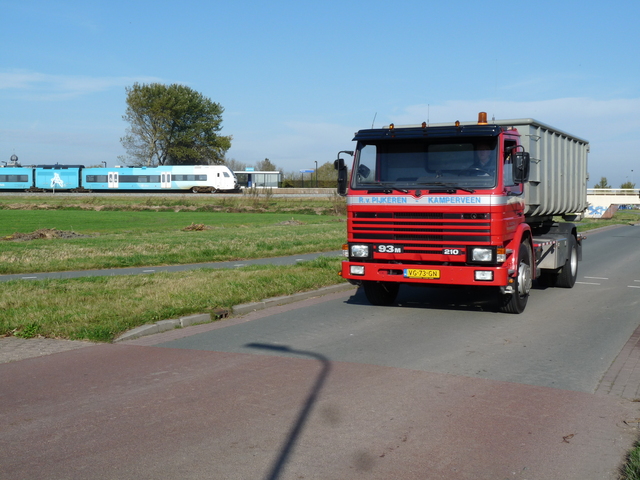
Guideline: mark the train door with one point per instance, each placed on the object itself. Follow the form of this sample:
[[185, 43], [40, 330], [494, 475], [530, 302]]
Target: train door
[[113, 179], [166, 179]]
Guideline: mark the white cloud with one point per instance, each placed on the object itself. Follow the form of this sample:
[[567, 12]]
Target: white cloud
[[584, 117], [37, 86]]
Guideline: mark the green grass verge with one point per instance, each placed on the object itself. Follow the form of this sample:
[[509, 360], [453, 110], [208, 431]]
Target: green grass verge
[[100, 308]]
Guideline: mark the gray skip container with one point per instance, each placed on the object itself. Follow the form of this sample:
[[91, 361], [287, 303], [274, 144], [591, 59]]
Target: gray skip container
[[558, 180]]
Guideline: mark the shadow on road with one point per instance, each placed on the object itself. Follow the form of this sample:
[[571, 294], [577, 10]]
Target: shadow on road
[[437, 297], [293, 435]]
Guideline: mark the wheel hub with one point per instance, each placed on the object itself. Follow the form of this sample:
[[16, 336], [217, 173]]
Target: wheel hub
[[524, 279]]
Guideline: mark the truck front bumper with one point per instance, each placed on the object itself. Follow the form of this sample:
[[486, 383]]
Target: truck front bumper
[[480, 275]]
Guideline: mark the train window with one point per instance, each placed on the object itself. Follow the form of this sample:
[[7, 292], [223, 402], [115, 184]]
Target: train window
[[97, 179], [139, 178], [226, 174], [14, 178], [189, 178]]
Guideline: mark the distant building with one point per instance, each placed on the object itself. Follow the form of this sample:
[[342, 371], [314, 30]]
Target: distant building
[[249, 178]]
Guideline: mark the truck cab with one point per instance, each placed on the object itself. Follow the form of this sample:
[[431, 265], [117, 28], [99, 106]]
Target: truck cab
[[439, 205]]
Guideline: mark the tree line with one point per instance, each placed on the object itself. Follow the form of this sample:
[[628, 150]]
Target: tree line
[[604, 183]]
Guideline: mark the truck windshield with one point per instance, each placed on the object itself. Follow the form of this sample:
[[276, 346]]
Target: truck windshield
[[468, 163]]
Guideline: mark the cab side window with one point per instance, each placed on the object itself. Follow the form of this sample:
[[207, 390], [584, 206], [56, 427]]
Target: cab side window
[[508, 169]]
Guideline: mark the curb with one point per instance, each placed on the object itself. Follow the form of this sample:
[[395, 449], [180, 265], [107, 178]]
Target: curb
[[164, 325]]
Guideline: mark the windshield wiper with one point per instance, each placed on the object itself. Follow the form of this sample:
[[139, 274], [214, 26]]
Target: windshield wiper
[[449, 186], [387, 188]]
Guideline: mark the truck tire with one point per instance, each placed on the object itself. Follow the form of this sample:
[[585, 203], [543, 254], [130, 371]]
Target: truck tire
[[517, 301], [569, 272], [381, 293]]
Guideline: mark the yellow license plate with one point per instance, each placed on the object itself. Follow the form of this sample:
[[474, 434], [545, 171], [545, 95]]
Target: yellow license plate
[[421, 273]]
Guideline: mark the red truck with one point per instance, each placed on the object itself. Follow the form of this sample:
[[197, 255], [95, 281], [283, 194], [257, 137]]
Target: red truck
[[474, 204]]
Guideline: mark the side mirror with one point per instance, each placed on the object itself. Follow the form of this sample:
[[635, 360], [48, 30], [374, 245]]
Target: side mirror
[[342, 174], [521, 166]]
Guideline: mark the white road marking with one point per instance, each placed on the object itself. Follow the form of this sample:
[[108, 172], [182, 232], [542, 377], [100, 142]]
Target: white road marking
[[587, 283], [597, 278]]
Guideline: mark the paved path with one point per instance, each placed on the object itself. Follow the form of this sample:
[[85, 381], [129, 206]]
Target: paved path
[[13, 349]]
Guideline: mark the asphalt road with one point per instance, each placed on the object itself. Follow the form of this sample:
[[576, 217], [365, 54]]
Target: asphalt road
[[334, 388]]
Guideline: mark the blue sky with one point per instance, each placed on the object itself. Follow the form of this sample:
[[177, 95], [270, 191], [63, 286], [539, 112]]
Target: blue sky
[[297, 79]]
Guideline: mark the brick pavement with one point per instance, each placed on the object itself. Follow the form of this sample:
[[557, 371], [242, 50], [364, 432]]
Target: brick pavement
[[13, 349], [623, 377], [621, 380]]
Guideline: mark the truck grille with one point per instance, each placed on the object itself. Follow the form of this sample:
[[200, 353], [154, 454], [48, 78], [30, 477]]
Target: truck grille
[[433, 229]]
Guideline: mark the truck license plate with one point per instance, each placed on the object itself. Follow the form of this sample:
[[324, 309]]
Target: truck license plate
[[421, 273]]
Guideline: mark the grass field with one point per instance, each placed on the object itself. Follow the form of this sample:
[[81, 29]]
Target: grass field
[[130, 231], [115, 239]]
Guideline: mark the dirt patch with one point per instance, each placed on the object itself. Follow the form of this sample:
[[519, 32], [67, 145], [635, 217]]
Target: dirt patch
[[196, 227], [290, 222], [43, 233]]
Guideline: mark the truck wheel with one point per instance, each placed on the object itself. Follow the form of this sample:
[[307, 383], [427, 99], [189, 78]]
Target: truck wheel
[[517, 301], [569, 272], [381, 293]]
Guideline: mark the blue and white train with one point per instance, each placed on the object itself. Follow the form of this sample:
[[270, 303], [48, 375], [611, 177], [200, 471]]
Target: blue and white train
[[77, 178]]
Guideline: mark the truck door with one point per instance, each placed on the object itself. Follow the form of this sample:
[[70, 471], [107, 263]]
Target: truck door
[[515, 206], [507, 172], [113, 179], [166, 179]]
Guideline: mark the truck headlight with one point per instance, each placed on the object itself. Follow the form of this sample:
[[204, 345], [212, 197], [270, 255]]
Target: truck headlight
[[483, 276], [481, 254], [356, 270], [359, 251]]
